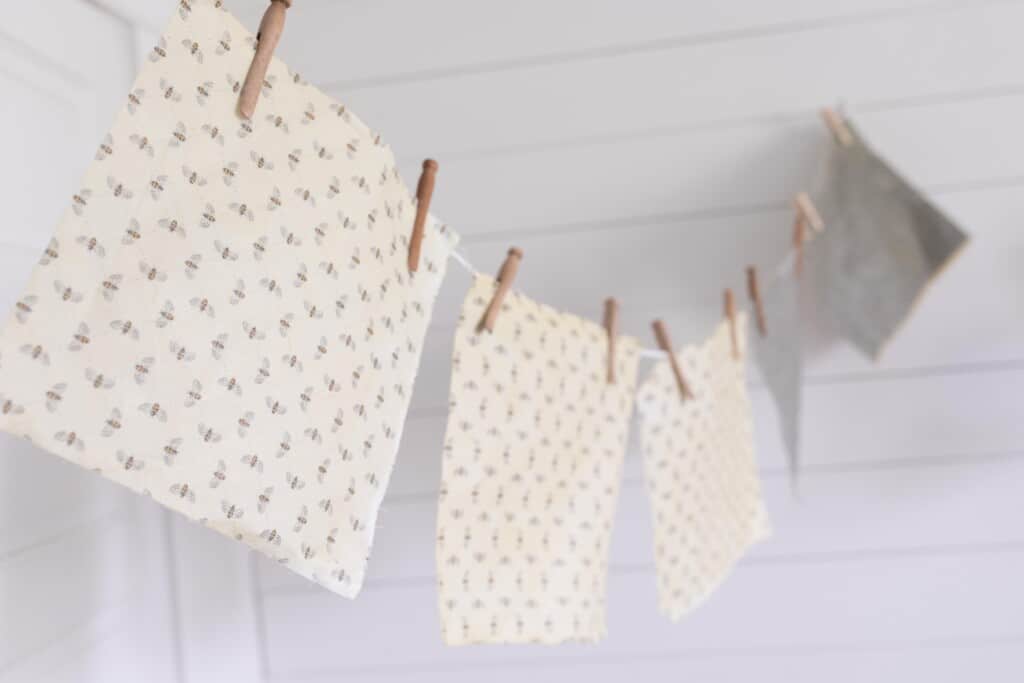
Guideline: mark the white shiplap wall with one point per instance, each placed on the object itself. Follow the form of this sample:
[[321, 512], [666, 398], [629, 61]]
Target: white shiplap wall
[[657, 142]]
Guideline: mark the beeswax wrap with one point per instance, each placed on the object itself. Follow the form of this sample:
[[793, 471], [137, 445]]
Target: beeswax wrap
[[224, 319], [884, 242], [532, 463], [700, 470]]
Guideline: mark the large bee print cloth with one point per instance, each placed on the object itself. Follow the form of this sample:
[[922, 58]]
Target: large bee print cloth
[[700, 470], [532, 461], [224, 319]]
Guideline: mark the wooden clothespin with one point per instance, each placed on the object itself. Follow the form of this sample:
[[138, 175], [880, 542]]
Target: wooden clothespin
[[665, 344], [806, 215], [754, 290], [505, 277], [837, 124], [611, 325], [267, 39], [730, 313], [424, 192]]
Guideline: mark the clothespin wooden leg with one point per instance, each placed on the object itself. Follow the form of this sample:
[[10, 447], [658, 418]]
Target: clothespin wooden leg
[[806, 215], [424, 193], [754, 290], [611, 324], [730, 313], [266, 42], [505, 277], [665, 344], [837, 124]]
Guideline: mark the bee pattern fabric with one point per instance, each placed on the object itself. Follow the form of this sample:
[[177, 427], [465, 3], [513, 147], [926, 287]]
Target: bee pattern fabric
[[224, 319], [700, 470], [532, 462], [884, 243]]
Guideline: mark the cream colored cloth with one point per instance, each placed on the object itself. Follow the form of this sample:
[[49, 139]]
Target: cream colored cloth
[[532, 463], [224, 319], [700, 470]]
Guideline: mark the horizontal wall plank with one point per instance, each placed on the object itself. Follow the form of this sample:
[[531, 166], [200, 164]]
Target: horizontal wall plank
[[923, 598]]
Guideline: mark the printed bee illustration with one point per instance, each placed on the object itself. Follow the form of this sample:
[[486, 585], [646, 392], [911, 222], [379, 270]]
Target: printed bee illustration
[[135, 99], [285, 446], [339, 305], [312, 311], [305, 195], [218, 345], [173, 226], [348, 340], [234, 84], [294, 159], [245, 129], [194, 395], [151, 273], [192, 265], [277, 122], [322, 470], [229, 173], [118, 188], [184, 492], [274, 201], [332, 385], [80, 339], [252, 333], [309, 114], [51, 253], [203, 93], [268, 84], [214, 133], [129, 462], [263, 372], [208, 217], [313, 434], [261, 162], [296, 78], [179, 136], [219, 475], [253, 462], [9, 407], [292, 361], [243, 211], [271, 286], [290, 238], [263, 500], [55, 396], [66, 293], [238, 293], [24, 308], [92, 245], [70, 439], [224, 44], [98, 380], [193, 177], [185, 9], [361, 183], [231, 511], [271, 536], [371, 220], [358, 525], [142, 369], [132, 233], [112, 423], [305, 397], [126, 327], [106, 149], [276, 407], [341, 112], [301, 519], [259, 248], [159, 51], [284, 325], [245, 423], [231, 384], [166, 316], [333, 188], [322, 151], [321, 348], [171, 451], [338, 422], [352, 148], [202, 305], [157, 186], [354, 260], [207, 434], [319, 233], [181, 353], [169, 92], [294, 483], [193, 49], [302, 276]]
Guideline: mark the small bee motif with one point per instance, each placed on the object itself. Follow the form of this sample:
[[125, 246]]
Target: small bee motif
[[51, 253], [171, 451], [339, 305], [305, 195], [284, 325], [129, 462], [159, 51], [192, 265], [133, 233], [321, 470], [261, 161], [154, 411], [338, 422], [243, 211], [181, 353], [294, 159], [106, 149], [112, 424], [333, 188], [80, 201], [193, 49], [309, 114], [313, 311], [234, 84], [229, 172], [268, 85], [301, 519], [142, 143], [290, 238], [271, 536], [126, 328], [92, 245], [70, 439], [259, 248], [231, 511], [9, 407], [142, 369], [169, 91], [184, 492], [224, 44], [185, 9], [179, 136], [253, 462], [271, 286], [321, 348], [157, 186], [207, 434], [252, 333], [135, 99], [263, 372], [320, 233], [173, 226], [352, 148], [314, 435], [214, 133], [194, 395], [276, 407], [98, 380], [305, 398], [354, 260], [245, 129], [151, 273], [203, 93], [55, 396], [24, 308], [66, 293], [245, 423], [231, 384], [203, 305], [238, 293], [118, 189], [322, 152], [193, 177], [219, 475], [361, 184], [278, 122], [302, 276], [208, 217], [292, 361], [166, 316], [218, 345], [371, 220], [332, 385], [294, 482], [274, 201]]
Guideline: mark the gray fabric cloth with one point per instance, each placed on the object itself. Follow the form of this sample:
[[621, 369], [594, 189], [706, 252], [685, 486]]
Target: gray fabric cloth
[[780, 358], [883, 244]]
